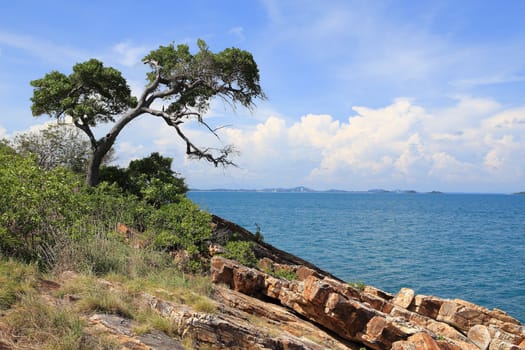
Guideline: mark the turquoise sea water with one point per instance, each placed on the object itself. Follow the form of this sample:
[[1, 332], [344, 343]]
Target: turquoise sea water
[[467, 246]]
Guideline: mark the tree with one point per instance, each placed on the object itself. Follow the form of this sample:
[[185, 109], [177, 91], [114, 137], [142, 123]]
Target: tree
[[180, 87], [149, 178], [57, 145]]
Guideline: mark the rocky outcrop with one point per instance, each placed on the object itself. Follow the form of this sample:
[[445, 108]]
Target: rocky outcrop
[[374, 318]]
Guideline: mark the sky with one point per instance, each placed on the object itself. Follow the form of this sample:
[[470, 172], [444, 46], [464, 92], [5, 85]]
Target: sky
[[411, 95]]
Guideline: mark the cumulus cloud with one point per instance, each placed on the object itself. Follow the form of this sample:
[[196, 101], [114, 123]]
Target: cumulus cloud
[[400, 146], [476, 145]]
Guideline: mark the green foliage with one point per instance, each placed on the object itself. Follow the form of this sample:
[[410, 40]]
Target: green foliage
[[258, 234], [180, 226], [232, 68], [241, 251], [51, 218], [183, 83], [55, 146], [149, 178], [359, 285], [90, 95], [34, 206], [286, 274], [280, 272]]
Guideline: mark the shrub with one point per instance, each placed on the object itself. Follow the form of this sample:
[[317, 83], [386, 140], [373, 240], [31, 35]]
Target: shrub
[[34, 205], [241, 251], [180, 226]]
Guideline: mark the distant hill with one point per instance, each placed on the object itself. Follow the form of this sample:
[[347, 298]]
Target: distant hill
[[303, 189]]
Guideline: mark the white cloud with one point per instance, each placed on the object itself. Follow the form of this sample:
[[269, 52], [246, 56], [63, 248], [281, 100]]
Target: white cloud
[[129, 55], [473, 146], [43, 49], [393, 146]]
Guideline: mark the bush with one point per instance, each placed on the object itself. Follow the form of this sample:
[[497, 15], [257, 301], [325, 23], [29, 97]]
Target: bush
[[35, 206], [241, 251], [52, 218], [180, 226]]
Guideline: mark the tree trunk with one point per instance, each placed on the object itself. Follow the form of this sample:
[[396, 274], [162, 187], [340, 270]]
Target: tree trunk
[[93, 170]]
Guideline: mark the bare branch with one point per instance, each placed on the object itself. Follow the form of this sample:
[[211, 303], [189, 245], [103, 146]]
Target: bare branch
[[196, 152]]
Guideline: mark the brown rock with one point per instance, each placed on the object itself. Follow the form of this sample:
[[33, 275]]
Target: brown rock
[[460, 316], [304, 272], [480, 336], [428, 306], [375, 319], [436, 327], [419, 341], [404, 298], [497, 344]]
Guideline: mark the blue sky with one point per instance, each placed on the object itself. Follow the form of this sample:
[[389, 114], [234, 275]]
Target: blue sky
[[426, 95]]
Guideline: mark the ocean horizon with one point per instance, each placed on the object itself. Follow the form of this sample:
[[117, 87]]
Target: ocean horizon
[[451, 245]]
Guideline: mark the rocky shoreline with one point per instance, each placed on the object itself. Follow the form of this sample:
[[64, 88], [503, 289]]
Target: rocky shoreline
[[301, 307], [361, 316]]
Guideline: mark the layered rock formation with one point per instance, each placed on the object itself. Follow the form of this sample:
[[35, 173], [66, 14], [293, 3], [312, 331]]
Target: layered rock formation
[[254, 308], [373, 318]]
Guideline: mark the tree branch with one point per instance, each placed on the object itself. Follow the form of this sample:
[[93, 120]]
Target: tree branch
[[87, 130], [196, 152]]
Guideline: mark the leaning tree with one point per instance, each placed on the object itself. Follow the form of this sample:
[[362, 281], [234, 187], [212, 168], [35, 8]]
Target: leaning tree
[[180, 87]]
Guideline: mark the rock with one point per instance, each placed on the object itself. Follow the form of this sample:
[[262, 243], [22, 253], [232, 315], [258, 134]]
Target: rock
[[428, 306], [404, 298], [418, 341], [498, 344], [324, 301], [215, 249], [241, 305], [439, 328], [121, 331], [373, 318], [480, 336], [231, 329]]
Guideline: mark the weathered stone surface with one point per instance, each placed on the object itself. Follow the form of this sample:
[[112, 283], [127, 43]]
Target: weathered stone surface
[[439, 328], [425, 305], [480, 336], [404, 298], [323, 301], [375, 319], [419, 341], [230, 330], [121, 330], [238, 304]]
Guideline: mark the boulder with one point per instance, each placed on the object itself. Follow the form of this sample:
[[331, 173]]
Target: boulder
[[480, 336], [404, 298], [419, 341]]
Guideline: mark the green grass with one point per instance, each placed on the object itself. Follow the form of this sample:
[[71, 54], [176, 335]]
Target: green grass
[[359, 285], [16, 280]]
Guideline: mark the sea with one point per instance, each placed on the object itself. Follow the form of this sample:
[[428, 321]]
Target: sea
[[466, 246]]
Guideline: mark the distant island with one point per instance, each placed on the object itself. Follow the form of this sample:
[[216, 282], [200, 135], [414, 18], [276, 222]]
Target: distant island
[[303, 189]]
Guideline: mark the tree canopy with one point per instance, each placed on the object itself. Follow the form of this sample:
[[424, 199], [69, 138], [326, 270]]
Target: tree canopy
[[180, 87], [149, 178], [57, 145]]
